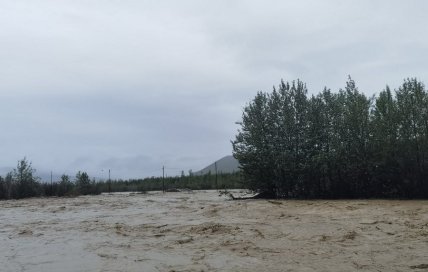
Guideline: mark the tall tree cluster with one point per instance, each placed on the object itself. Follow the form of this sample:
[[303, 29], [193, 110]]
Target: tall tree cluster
[[336, 144]]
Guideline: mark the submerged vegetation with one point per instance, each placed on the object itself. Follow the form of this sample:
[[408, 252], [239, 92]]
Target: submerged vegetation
[[336, 145], [22, 182]]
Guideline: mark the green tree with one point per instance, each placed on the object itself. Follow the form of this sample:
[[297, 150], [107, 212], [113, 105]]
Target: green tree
[[2, 188], [342, 144], [253, 145], [65, 186], [83, 183], [357, 138], [26, 182], [413, 131], [385, 144]]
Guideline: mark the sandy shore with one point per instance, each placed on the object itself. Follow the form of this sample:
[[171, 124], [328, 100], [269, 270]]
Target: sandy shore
[[202, 231]]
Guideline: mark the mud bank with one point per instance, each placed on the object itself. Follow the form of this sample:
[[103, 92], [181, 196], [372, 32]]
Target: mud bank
[[202, 231]]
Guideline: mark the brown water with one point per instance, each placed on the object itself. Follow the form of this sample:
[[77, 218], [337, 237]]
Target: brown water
[[202, 231]]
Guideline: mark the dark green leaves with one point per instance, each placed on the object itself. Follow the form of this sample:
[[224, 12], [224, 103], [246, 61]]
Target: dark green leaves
[[336, 144]]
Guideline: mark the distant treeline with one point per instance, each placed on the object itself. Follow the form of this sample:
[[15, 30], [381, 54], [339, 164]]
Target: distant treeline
[[336, 145], [22, 182], [193, 182]]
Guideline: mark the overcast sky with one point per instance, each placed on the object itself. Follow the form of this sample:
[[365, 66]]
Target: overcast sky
[[130, 86]]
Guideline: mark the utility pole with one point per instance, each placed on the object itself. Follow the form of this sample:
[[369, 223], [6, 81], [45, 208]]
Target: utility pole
[[163, 178], [51, 184], [216, 184], [109, 182]]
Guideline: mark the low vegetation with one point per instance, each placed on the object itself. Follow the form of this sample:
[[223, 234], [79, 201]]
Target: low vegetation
[[22, 182]]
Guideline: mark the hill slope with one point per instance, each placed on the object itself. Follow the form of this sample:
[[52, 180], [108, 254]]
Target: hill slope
[[226, 164]]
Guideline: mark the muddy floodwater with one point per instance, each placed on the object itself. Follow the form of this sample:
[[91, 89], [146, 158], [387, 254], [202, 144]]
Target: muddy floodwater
[[202, 231]]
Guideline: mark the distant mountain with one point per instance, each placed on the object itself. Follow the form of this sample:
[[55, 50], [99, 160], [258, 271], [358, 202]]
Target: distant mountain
[[226, 164]]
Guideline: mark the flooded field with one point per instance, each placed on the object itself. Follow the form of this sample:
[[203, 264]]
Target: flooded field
[[202, 231]]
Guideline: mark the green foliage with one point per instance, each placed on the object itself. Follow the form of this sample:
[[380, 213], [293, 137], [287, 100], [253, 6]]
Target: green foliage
[[335, 145], [192, 182], [27, 184], [21, 182], [2, 188], [65, 186], [84, 184], [329, 145]]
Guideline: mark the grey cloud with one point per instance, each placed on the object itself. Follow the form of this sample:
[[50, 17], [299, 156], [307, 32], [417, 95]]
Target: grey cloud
[[96, 84]]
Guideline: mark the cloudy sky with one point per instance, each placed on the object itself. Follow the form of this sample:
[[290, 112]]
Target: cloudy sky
[[130, 86]]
